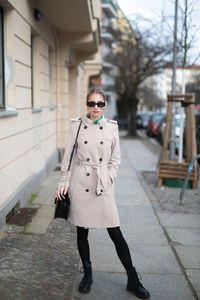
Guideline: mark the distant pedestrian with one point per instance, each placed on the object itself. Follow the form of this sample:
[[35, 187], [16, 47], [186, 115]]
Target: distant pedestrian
[[91, 187]]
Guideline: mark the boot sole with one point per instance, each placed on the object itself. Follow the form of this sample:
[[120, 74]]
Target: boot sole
[[84, 291], [145, 297]]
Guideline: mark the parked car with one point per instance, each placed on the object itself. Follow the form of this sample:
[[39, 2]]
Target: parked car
[[123, 124], [142, 119], [161, 130], [177, 133], [162, 126], [153, 124]]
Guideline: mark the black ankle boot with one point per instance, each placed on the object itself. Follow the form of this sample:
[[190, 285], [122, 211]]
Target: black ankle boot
[[134, 285], [86, 282]]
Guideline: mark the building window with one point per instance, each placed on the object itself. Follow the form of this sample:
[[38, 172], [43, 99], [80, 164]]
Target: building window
[[2, 85], [32, 102], [35, 74], [32, 72]]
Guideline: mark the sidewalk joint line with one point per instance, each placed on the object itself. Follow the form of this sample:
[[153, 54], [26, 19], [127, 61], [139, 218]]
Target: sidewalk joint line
[[170, 242]]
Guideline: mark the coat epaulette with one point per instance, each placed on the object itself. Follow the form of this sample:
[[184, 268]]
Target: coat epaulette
[[112, 121], [75, 119]]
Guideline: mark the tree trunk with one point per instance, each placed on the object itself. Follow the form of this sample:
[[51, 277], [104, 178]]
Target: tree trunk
[[133, 111]]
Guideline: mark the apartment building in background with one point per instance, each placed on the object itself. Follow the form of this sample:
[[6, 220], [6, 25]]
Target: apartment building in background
[[161, 83], [191, 73], [49, 50], [108, 20]]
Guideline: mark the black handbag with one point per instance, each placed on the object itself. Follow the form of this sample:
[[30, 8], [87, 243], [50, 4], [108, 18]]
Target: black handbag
[[62, 208]]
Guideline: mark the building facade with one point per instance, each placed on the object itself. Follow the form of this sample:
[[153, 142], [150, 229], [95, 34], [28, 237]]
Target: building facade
[[191, 73], [108, 20], [46, 61], [161, 83]]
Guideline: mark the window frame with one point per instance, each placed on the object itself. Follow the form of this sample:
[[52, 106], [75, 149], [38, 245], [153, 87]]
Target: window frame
[[35, 108], [2, 78]]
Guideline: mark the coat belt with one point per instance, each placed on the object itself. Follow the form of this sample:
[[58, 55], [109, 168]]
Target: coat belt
[[98, 169]]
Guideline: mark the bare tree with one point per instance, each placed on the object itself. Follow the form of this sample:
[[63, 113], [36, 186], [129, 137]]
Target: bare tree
[[187, 36], [186, 42], [149, 98], [138, 55], [187, 33]]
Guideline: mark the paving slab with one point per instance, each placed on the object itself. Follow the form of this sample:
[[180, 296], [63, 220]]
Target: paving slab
[[124, 189], [131, 201], [147, 259], [190, 256], [140, 234], [47, 189], [42, 220], [194, 277], [135, 234], [142, 214], [180, 220], [126, 172], [185, 236]]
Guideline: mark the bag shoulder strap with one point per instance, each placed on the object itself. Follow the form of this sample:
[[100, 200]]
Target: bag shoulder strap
[[74, 147]]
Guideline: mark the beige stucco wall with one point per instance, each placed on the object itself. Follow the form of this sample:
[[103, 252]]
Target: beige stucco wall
[[60, 81], [28, 139]]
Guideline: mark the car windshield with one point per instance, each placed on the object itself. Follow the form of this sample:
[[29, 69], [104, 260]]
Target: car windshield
[[157, 118], [145, 117]]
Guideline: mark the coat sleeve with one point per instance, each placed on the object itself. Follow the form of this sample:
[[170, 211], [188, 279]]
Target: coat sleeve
[[66, 175], [115, 155]]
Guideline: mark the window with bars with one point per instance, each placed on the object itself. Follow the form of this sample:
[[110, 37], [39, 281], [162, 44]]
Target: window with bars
[[2, 88]]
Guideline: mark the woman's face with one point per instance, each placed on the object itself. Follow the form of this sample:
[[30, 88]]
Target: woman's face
[[96, 112]]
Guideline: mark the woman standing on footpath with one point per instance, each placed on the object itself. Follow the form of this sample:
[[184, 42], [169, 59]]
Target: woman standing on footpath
[[91, 187]]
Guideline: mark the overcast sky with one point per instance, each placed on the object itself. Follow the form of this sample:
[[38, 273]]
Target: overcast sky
[[152, 9]]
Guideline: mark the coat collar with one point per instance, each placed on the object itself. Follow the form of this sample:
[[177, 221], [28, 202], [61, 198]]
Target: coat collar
[[88, 121]]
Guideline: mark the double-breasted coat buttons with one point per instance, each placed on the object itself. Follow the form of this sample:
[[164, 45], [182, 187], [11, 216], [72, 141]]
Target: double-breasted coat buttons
[[87, 174], [85, 142], [101, 213], [101, 142]]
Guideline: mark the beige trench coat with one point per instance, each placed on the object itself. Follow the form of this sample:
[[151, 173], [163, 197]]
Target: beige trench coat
[[90, 182]]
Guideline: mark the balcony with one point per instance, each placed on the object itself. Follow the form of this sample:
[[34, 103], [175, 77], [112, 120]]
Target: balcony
[[106, 35], [110, 8], [107, 65], [76, 23]]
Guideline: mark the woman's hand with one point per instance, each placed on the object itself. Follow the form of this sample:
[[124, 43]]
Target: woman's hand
[[61, 190]]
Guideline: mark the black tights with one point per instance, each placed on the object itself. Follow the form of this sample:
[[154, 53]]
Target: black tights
[[117, 238]]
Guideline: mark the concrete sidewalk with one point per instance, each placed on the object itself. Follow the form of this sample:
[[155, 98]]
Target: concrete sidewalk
[[161, 269], [165, 247]]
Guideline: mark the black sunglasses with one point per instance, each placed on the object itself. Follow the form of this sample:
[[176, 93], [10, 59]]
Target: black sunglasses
[[92, 104]]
